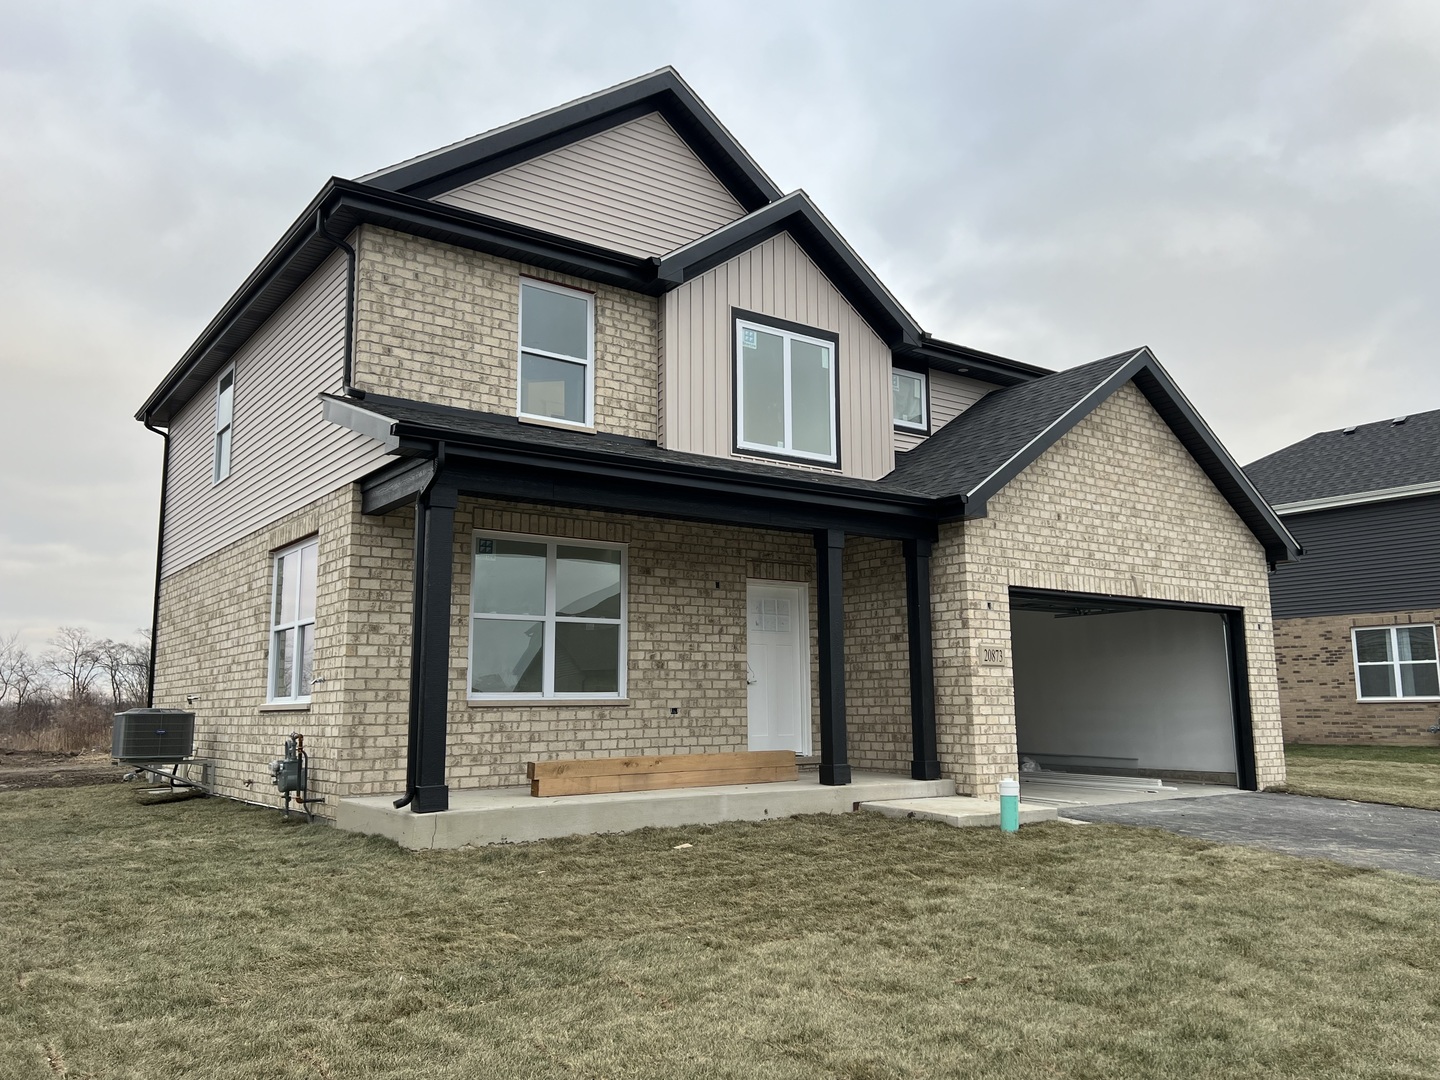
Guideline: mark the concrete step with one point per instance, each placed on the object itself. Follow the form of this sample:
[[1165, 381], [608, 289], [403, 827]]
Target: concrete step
[[960, 811]]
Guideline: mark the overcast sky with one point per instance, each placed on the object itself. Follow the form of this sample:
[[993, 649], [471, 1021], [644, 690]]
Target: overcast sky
[[1252, 189]]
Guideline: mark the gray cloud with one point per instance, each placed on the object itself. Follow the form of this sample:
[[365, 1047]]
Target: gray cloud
[[1249, 189]]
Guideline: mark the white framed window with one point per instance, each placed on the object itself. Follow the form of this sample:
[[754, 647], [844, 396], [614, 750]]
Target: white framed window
[[785, 391], [547, 618], [292, 622], [910, 400], [1396, 663], [557, 353], [224, 422]]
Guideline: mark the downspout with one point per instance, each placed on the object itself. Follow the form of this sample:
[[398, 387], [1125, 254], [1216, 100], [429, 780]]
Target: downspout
[[346, 389], [159, 563], [422, 500]]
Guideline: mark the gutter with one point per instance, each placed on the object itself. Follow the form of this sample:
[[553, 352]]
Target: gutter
[[346, 387], [159, 563]]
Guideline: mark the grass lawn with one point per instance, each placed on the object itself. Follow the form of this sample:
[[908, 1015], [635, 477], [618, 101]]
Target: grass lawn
[[1401, 775], [205, 938]]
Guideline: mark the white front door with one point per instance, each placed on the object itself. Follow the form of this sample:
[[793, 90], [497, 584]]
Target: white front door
[[779, 666]]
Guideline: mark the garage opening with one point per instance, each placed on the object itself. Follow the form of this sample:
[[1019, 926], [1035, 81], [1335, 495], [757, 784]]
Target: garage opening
[[1130, 688]]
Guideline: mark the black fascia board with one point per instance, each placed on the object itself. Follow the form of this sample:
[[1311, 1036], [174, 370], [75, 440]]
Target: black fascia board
[[663, 92], [971, 363], [344, 204], [800, 217]]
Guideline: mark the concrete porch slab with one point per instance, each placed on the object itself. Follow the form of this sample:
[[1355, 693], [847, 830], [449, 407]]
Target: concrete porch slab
[[513, 815], [961, 811]]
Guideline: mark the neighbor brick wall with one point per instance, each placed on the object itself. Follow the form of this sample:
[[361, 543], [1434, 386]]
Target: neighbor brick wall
[[1116, 506], [439, 323], [1316, 662]]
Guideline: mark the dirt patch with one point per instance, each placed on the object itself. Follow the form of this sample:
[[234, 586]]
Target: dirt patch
[[22, 770]]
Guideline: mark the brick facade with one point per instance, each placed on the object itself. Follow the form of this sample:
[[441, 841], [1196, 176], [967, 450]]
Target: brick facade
[[1116, 506], [1316, 663], [441, 324]]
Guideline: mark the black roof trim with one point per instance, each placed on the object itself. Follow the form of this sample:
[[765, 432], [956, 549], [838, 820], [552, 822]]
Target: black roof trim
[[662, 91], [344, 205], [802, 219], [979, 452], [973, 363]]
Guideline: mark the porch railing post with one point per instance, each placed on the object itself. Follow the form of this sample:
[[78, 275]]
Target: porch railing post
[[430, 675], [925, 765], [829, 562]]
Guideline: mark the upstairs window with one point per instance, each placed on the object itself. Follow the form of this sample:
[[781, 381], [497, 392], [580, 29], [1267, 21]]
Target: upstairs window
[[292, 623], [785, 391], [1396, 662], [557, 351], [910, 400], [224, 421]]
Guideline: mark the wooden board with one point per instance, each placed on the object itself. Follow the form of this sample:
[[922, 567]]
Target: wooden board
[[601, 775]]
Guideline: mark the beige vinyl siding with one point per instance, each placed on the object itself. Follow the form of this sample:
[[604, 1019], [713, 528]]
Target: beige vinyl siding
[[774, 278], [950, 395], [283, 453], [636, 188]]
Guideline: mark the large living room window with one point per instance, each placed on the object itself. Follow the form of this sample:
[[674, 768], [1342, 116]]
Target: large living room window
[[1395, 663], [292, 623], [557, 353], [547, 619], [785, 390]]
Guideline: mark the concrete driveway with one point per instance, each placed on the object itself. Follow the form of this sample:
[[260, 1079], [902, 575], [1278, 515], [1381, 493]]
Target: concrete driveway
[[1357, 834]]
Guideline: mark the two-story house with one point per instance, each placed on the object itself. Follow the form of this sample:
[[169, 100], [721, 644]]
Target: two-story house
[[581, 438], [1355, 620]]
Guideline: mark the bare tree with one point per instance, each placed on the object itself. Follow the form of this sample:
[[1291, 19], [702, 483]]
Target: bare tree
[[14, 662], [126, 667], [73, 658]]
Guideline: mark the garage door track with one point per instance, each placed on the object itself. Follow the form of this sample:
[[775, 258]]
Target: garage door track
[[1357, 834]]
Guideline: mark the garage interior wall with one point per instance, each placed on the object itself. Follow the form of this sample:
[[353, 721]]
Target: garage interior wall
[[1153, 686]]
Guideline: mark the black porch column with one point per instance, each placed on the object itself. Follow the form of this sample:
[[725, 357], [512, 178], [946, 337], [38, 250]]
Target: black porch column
[[926, 762], [430, 647], [829, 553]]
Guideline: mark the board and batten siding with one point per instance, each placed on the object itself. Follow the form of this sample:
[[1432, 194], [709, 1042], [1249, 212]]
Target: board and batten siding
[[1364, 559], [636, 188], [283, 453], [950, 395], [773, 278]]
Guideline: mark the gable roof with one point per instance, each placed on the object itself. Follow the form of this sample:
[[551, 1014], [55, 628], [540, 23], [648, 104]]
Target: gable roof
[[662, 91], [1365, 463], [975, 455]]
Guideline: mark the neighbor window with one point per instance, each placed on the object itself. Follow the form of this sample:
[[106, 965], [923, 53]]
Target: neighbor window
[[557, 338], [292, 623], [547, 618], [785, 391], [1396, 662], [908, 398], [224, 421]]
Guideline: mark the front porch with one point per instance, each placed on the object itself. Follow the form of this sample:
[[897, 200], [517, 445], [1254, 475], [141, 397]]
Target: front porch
[[511, 815]]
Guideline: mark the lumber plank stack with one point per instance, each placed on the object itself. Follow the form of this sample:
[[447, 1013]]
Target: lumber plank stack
[[657, 773]]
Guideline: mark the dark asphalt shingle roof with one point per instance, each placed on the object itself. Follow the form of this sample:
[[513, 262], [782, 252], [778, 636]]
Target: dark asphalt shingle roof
[[1371, 458], [970, 448]]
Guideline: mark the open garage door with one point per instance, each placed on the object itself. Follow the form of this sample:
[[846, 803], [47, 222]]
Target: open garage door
[[1131, 688]]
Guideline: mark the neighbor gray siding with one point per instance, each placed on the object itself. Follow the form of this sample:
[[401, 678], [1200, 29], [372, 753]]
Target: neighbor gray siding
[[636, 188], [950, 395], [283, 452], [1362, 559]]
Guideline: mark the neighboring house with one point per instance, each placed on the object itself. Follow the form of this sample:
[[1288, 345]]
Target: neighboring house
[[581, 438], [1355, 620]]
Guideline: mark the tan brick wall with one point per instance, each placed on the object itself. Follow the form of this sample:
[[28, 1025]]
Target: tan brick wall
[[877, 656], [440, 323], [1316, 662], [1115, 506], [214, 644]]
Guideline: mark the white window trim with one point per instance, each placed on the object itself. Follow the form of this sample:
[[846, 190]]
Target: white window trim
[[923, 427], [271, 698], [550, 619], [833, 458], [216, 475], [588, 362], [1394, 665]]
